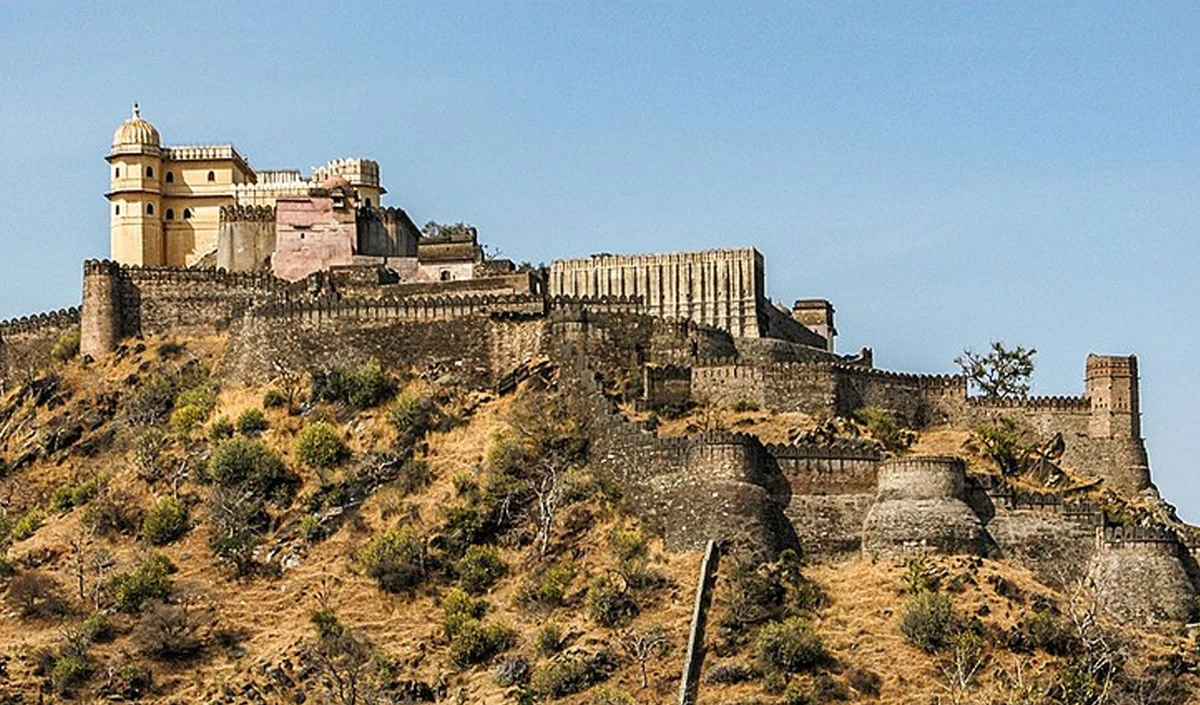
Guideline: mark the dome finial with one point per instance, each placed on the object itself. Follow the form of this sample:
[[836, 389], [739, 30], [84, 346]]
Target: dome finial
[[137, 112]]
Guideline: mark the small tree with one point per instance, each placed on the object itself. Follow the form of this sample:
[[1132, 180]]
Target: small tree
[[644, 645], [1001, 373]]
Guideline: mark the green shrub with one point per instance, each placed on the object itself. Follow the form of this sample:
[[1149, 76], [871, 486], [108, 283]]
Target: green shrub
[[795, 694], [547, 589], [274, 399], [550, 639], [476, 642], [66, 346], [97, 628], [396, 559], [929, 621], [564, 677], [611, 696], [409, 415], [628, 545], [361, 386], [62, 499], [458, 608], [885, 427], [184, 419], [251, 422], [311, 529], [131, 681], [150, 580], [790, 646], [480, 568], [220, 429], [71, 671], [27, 524], [165, 521], [202, 397], [319, 445], [743, 405], [607, 603], [248, 461]]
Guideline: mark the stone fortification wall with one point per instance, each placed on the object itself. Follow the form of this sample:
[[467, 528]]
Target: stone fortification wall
[[25, 342], [1139, 576], [666, 386], [120, 301], [919, 507], [829, 389], [245, 238], [918, 400], [810, 388], [1051, 534], [478, 339], [830, 489]]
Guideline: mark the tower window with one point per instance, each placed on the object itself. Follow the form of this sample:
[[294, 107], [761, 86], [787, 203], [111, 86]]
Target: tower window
[[187, 213], [368, 203], [170, 213], [117, 173], [170, 177], [149, 209], [149, 172], [212, 176], [445, 275], [117, 209]]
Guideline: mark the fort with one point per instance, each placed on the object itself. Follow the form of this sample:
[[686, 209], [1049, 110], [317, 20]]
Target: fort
[[302, 272]]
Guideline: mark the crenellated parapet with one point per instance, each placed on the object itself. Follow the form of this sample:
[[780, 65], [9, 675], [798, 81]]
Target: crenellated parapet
[[248, 213], [1044, 403], [1112, 535], [57, 320], [923, 381], [328, 309], [1139, 575]]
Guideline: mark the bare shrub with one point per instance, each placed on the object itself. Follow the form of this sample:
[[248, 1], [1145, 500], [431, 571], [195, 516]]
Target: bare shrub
[[34, 594]]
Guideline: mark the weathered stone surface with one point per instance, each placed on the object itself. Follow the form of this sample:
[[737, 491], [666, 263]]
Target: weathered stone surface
[[1139, 577], [919, 508]]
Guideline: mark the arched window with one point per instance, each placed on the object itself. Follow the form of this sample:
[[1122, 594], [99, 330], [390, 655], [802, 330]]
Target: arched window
[[170, 177], [170, 214], [445, 275], [149, 209], [149, 172], [187, 213], [368, 203], [212, 176]]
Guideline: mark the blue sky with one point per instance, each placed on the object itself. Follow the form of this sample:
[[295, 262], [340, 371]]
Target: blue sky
[[945, 173]]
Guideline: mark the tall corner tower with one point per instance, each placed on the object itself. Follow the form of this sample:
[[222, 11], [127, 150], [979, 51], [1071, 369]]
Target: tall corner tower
[[1112, 387], [135, 193]]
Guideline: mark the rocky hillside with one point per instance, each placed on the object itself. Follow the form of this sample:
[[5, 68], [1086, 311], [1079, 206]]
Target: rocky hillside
[[367, 535]]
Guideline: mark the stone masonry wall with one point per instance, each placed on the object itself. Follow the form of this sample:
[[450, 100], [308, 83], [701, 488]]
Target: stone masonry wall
[[25, 342], [473, 347]]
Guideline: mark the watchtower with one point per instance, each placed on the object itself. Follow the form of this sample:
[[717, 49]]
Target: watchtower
[[1112, 388], [135, 193]]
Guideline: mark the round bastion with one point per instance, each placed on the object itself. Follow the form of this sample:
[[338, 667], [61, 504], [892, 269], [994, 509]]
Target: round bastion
[[919, 508]]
